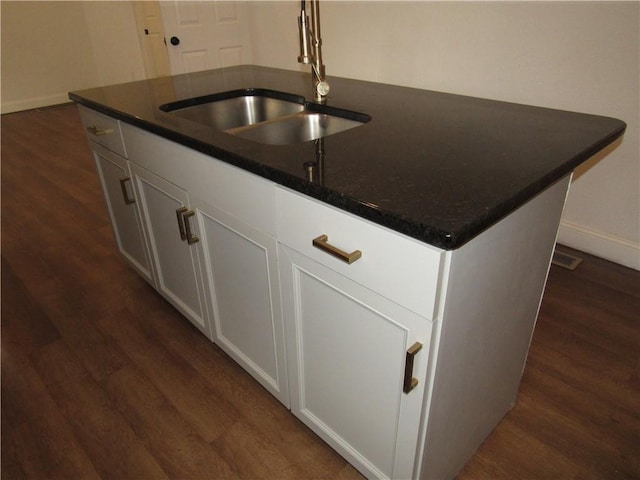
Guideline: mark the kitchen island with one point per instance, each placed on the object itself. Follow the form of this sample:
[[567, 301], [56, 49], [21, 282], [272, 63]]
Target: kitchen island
[[405, 359]]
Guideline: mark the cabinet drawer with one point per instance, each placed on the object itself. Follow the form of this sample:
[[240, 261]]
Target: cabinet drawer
[[103, 130], [400, 268]]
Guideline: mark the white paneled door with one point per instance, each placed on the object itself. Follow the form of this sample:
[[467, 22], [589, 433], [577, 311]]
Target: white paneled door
[[203, 34]]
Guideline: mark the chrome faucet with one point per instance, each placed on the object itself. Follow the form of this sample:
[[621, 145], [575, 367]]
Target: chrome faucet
[[311, 49]]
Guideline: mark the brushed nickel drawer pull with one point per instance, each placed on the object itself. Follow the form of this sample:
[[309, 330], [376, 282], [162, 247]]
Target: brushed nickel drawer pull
[[409, 382], [179, 212], [127, 200], [322, 242], [191, 238], [98, 132]]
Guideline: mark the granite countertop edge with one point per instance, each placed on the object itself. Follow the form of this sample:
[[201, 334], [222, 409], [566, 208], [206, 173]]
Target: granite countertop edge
[[437, 233]]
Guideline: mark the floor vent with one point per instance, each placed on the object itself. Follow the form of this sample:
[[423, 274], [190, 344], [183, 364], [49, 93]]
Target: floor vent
[[565, 260]]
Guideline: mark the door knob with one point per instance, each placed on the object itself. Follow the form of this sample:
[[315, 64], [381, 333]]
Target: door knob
[[174, 41]]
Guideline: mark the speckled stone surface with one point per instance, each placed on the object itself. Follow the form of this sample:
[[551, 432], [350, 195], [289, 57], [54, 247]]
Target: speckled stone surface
[[437, 167]]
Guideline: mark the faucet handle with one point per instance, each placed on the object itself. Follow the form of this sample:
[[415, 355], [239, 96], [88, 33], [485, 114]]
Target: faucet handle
[[322, 88]]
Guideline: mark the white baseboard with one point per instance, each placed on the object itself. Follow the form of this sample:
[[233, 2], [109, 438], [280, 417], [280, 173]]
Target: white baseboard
[[34, 102], [610, 247]]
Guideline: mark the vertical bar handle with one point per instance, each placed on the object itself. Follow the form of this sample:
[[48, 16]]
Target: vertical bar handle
[[191, 238], [179, 214], [409, 381], [125, 195]]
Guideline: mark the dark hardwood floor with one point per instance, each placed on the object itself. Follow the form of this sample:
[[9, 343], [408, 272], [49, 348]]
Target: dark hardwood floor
[[101, 378]]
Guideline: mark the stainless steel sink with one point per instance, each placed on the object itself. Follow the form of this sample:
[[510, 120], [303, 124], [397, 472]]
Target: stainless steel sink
[[247, 108], [265, 116], [296, 128]]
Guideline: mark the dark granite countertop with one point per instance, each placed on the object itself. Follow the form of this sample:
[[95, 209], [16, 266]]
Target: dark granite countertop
[[437, 167]]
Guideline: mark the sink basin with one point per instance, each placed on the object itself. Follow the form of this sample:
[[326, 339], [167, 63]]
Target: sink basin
[[296, 128], [237, 108], [266, 116]]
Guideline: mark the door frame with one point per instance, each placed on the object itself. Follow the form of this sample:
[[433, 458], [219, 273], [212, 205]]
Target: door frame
[[156, 60]]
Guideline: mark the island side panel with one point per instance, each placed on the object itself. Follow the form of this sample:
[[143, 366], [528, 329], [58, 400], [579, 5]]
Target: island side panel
[[493, 295]]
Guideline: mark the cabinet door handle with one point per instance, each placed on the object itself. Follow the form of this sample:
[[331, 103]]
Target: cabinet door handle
[[191, 238], [322, 242], [409, 381], [179, 214], [98, 132], [125, 195]]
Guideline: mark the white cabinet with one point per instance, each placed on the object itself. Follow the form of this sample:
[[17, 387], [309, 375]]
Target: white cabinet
[[401, 356], [120, 198], [242, 288], [226, 282], [349, 348], [347, 356], [172, 235], [115, 177], [399, 268], [103, 130]]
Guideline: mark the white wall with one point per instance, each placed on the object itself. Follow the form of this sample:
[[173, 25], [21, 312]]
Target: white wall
[[45, 52], [50, 48], [580, 56], [114, 41]]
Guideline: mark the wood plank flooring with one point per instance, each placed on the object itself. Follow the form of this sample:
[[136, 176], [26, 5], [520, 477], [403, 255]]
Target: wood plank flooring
[[101, 378]]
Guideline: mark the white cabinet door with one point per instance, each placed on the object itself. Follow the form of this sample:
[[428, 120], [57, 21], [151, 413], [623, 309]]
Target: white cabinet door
[[172, 235], [347, 357], [119, 195], [241, 279]]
